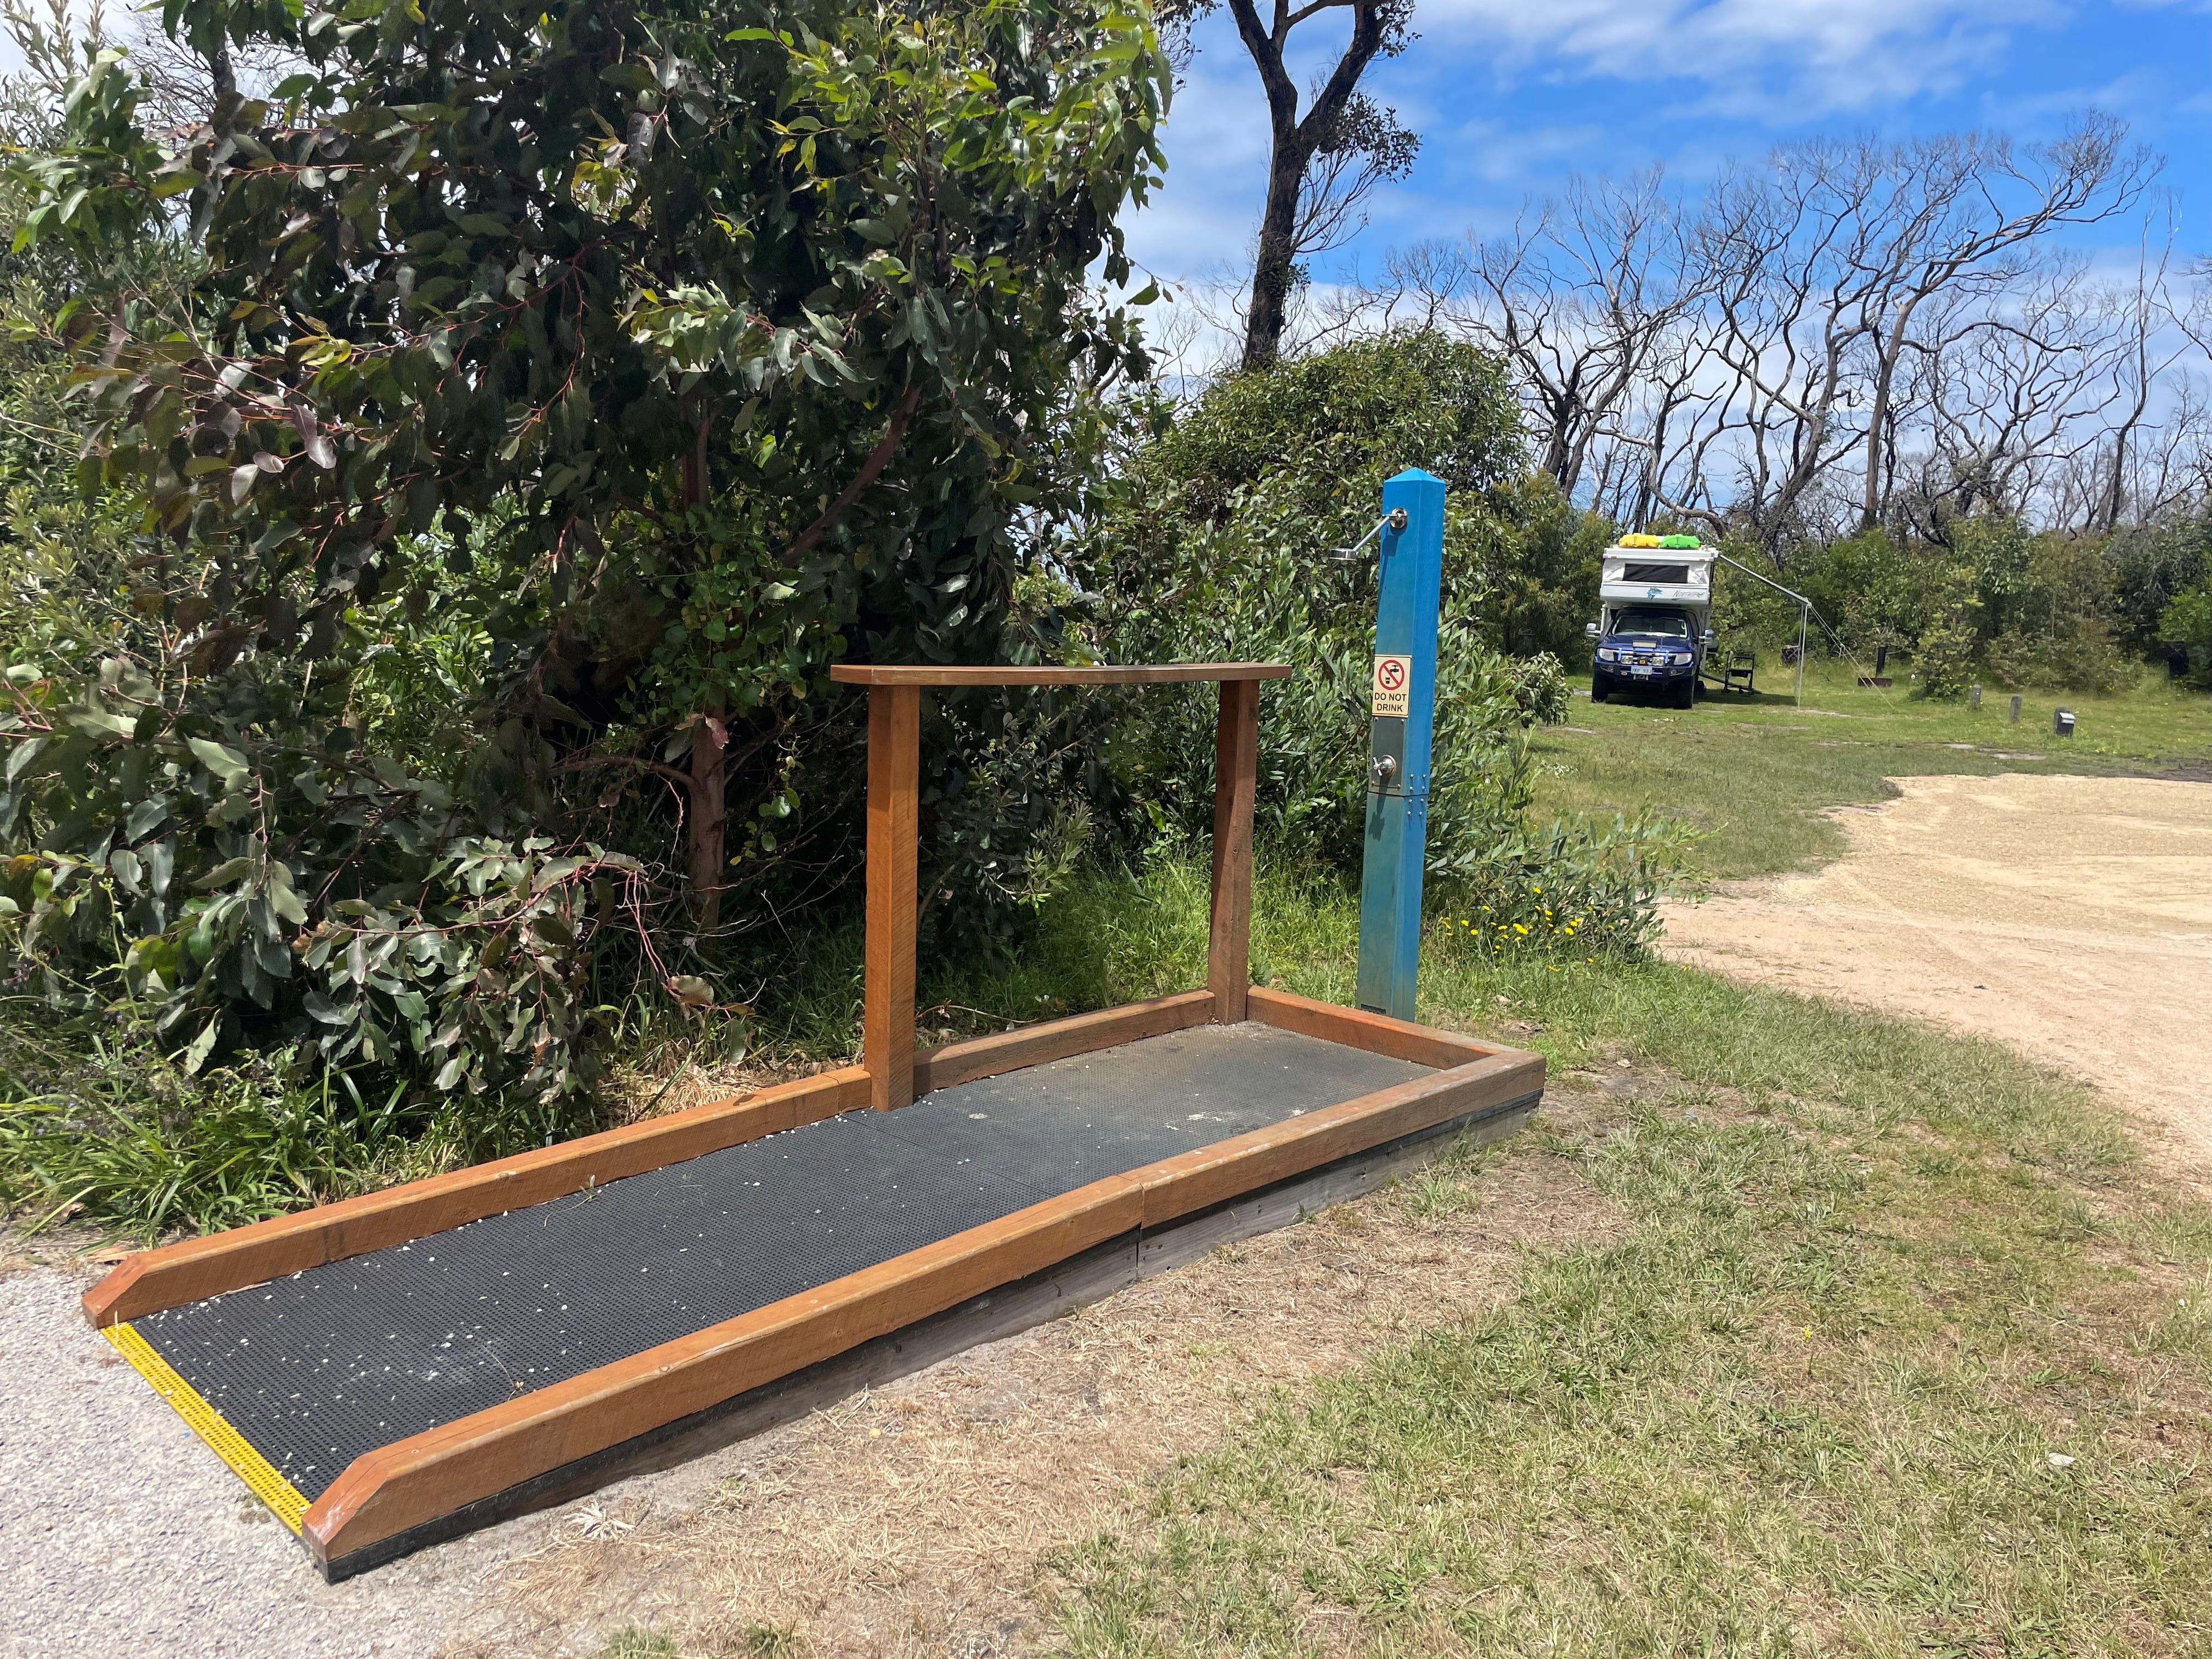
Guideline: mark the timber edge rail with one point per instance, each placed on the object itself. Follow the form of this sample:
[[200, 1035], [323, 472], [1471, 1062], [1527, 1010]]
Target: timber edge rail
[[393, 1498]]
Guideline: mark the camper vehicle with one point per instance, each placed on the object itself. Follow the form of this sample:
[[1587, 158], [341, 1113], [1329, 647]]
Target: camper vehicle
[[1654, 629]]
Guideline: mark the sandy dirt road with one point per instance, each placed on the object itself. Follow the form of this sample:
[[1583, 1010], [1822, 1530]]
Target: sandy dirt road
[[2068, 917]]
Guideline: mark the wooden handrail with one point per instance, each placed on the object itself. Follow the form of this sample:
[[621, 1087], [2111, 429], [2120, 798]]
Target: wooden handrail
[[895, 692], [854, 673]]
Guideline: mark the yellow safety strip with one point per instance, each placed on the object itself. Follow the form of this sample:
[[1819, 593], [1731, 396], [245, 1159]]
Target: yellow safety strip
[[283, 1498]]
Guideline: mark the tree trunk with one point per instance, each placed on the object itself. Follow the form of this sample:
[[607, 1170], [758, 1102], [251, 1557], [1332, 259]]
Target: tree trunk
[[1292, 146], [709, 814], [1271, 277]]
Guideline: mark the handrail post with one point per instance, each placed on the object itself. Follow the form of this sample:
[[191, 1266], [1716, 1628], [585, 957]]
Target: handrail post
[[894, 853], [1236, 776]]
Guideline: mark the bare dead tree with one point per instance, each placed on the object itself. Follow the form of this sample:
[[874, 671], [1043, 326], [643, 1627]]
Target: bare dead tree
[[1665, 433], [1960, 212], [2000, 395], [1577, 298], [1783, 249], [1840, 280], [2150, 342], [1851, 334]]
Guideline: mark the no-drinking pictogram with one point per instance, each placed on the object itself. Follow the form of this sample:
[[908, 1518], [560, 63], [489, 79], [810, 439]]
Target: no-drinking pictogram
[[1393, 682]]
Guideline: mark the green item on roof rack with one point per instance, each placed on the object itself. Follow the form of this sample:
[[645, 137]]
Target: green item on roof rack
[[1680, 542]]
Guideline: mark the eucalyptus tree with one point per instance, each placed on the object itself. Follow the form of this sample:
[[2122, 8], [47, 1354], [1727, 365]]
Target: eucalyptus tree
[[762, 318], [681, 352], [1324, 160]]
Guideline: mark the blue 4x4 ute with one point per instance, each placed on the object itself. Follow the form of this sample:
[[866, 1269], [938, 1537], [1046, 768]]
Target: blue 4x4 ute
[[1647, 648]]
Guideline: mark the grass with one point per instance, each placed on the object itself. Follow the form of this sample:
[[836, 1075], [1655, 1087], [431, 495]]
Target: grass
[[1756, 774], [116, 1137], [1902, 1350], [1880, 1286], [634, 1644]]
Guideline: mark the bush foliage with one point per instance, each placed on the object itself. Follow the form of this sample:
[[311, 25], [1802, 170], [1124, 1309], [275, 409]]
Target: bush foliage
[[1205, 553], [449, 537], [1995, 603]]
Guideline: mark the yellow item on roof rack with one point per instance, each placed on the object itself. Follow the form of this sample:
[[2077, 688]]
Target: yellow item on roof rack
[[1638, 541]]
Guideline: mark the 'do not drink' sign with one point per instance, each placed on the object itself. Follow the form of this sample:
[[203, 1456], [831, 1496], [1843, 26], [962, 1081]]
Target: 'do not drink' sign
[[1394, 686]]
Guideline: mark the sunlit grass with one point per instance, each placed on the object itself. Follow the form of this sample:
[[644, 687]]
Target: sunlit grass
[[1756, 775], [1903, 1353]]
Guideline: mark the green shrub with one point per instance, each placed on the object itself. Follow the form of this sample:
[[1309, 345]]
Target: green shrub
[[1220, 546], [219, 856], [1951, 643], [2079, 655], [1292, 460], [2152, 565], [2187, 621], [2047, 608]]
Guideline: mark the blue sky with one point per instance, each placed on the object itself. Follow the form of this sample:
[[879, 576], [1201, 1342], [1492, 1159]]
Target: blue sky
[[1513, 96]]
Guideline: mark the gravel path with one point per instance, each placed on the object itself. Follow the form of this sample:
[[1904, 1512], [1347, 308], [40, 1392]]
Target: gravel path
[[2070, 917], [120, 1533]]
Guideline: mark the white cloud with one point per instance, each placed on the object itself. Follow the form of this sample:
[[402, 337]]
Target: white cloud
[[1503, 152], [1773, 59], [2138, 92], [1217, 144]]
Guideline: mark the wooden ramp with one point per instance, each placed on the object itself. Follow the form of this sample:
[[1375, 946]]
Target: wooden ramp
[[397, 1367]]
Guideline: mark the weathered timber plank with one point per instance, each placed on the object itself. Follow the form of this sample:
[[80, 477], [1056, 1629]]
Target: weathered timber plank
[[894, 832], [1356, 1028], [1112, 674], [1212, 1175], [1038, 1045], [1235, 768]]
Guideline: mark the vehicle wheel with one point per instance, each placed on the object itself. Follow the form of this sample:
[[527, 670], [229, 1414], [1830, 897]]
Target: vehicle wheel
[[1686, 694], [1597, 688]]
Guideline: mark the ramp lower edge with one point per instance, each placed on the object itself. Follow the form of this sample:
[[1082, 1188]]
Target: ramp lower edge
[[284, 1499]]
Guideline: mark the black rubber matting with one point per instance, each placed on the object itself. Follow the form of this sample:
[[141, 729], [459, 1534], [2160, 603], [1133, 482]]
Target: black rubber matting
[[337, 1360]]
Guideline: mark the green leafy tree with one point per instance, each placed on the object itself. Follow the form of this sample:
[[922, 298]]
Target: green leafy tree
[[752, 327], [1873, 592], [1952, 639], [2152, 566], [1296, 455], [638, 362], [1220, 540]]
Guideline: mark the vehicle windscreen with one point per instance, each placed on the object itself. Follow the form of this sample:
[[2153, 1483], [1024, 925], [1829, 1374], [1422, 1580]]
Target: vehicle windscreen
[[1665, 624]]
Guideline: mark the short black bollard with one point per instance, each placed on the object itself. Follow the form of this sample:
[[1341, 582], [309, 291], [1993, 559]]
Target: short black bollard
[[2061, 723], [2013, 718]]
